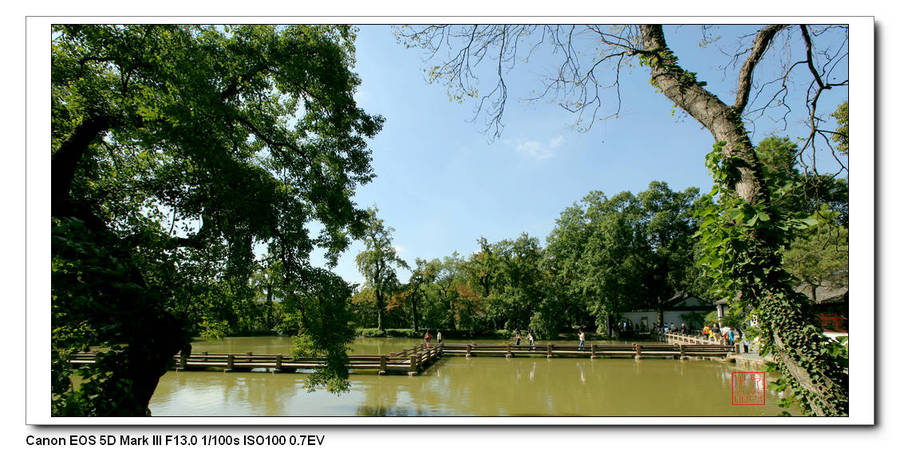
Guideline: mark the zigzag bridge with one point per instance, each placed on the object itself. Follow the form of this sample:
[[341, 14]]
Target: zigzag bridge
[[419, 358]]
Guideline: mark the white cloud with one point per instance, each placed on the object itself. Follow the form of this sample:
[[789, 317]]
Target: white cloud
[[540, 150], [556, 142]]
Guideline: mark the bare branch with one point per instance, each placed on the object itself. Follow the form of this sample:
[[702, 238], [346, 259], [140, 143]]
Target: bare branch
[[591, 59], [745, 78]]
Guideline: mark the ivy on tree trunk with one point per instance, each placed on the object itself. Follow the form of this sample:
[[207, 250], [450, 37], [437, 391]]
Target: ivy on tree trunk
[[815, 376]]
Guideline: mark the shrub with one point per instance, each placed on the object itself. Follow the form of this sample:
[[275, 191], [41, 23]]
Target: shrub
[[369, 332]]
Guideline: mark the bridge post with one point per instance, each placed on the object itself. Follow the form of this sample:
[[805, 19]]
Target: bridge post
[[468, 350], [549, 350], [182, 360], [593, 352], [637, 351], [413, 364], [230, 363], [508, 351], [681, 351], [278, 363], [383, 360]]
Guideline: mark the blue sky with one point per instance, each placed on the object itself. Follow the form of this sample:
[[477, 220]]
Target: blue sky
[[442, 183]]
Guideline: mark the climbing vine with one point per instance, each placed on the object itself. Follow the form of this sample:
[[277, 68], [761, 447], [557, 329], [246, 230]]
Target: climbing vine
[[742, 245]]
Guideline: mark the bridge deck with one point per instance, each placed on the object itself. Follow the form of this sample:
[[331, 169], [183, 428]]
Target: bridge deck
[[415, 360]]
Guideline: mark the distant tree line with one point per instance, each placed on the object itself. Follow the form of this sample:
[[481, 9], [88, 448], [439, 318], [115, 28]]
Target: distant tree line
[[604, 256]]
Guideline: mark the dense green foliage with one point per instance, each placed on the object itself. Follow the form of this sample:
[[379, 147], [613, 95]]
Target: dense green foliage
[[626, 252], [378, 263], [177, 152], [841, 135], [820, 257], [604, 257], [743, 246]]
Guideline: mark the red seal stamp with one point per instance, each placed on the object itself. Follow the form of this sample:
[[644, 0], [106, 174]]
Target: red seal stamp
[[748, 388]]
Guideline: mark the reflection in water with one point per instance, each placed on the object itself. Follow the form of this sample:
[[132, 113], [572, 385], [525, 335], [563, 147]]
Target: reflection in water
[[479, 386]]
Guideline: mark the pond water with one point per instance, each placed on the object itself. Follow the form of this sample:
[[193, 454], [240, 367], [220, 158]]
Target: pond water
[[457, 386]]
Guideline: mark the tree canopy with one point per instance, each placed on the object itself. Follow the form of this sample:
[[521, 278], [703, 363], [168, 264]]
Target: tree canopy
[[378, 262], [176, 151], [605, 256], [625, 252]]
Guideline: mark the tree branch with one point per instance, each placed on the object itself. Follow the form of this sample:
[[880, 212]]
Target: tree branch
[[65, 160], [745, 77]]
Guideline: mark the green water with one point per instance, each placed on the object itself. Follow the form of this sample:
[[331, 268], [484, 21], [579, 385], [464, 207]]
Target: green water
[[456, 386]]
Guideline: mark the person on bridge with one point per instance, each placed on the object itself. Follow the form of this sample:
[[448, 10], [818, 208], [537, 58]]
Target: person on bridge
[[580, 339], [440, 338], [518, 337], [427, 338], [531, 339]]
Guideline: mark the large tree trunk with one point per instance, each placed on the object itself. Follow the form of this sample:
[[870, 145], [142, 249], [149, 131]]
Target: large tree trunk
[[379, 305], [415, 316], [64, 161], [820, 383], [150, 335]]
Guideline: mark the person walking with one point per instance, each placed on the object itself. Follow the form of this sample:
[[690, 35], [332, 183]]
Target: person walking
[[427, 338], [440, 338], [518, 337], [581, 339], [531, 339]]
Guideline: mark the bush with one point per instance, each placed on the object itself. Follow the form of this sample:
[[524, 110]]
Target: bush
[[405, 333], [711, 318], [369, 332], [693, 319], [730, 319], [390, 332], [445, 333]]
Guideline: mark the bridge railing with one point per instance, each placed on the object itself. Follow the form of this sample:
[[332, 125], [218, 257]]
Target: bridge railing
[[409, 361], [592, 349], [693, 339], [413, 360]]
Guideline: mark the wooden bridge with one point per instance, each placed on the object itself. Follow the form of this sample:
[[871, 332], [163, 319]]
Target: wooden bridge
[[677, 338], [415, 360], [593, 351], [410, 361]]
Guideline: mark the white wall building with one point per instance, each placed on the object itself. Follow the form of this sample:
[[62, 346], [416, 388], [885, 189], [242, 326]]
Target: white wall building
[[674, 311]]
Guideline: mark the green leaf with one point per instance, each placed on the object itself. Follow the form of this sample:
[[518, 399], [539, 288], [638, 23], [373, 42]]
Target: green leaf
[[809, 221]]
